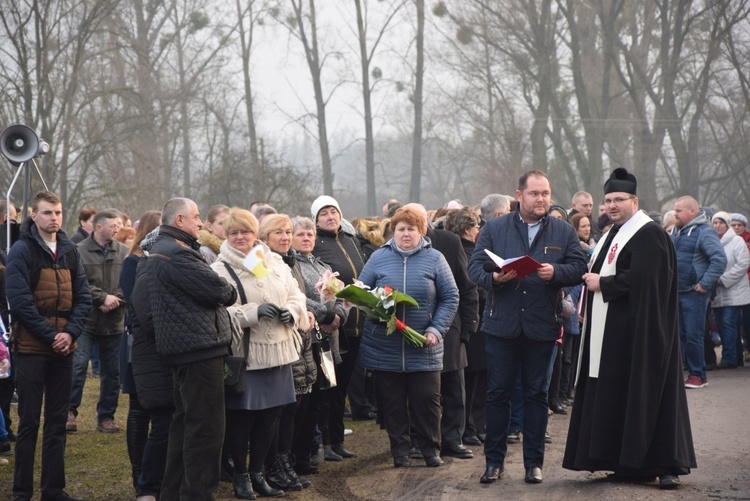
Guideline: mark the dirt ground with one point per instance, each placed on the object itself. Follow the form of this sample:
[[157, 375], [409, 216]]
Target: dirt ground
[[720, 417]]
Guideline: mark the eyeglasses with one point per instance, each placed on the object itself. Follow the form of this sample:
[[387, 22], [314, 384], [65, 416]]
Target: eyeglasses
[[235, 233], [618, 200]]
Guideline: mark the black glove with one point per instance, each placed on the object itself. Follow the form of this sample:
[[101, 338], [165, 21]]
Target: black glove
[[269, 310], [326, 317], [286, 316]]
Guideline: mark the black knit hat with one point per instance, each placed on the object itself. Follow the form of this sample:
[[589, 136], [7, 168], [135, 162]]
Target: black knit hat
[[621, 181]]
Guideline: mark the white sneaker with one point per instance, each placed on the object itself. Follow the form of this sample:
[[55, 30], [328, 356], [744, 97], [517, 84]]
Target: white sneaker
[[347, 431]]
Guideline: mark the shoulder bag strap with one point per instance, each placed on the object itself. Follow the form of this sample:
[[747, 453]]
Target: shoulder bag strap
[[243, 298]]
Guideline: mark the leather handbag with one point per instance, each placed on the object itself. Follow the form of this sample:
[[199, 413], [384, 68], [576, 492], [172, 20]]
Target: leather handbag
[[235, 364]]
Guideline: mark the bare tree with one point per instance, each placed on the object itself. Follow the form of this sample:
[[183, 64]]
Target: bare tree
[[366, 56], [299, 25], [47, 52], [417, 99]]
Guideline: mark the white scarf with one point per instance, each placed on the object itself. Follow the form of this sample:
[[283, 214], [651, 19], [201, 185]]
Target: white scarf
[[597, 305]]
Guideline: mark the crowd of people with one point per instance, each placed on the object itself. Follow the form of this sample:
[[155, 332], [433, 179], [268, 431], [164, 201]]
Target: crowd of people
[[237, 367]]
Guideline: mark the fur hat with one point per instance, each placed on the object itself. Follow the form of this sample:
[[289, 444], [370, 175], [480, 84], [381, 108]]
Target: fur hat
[[321, 202], [724, 216], [739, 217], [621, 181]]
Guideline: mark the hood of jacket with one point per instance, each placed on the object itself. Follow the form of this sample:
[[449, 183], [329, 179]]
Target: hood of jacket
[[210, 240]]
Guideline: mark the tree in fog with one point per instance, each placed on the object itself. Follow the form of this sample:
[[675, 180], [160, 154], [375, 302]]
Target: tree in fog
[[47, 56]]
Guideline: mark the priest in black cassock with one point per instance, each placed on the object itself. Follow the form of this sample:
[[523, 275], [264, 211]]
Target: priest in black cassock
[[630, 414]]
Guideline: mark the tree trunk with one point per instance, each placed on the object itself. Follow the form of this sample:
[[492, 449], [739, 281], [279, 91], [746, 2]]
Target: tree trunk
[[416, 157]]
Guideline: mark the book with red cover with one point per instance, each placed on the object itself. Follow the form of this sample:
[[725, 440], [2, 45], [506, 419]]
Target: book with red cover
[[523, 265]]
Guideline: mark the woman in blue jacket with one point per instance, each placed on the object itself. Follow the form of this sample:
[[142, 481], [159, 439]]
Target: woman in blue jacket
[[407, 378]]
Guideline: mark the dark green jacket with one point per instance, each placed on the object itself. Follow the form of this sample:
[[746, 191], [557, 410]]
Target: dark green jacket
[[103, 274]]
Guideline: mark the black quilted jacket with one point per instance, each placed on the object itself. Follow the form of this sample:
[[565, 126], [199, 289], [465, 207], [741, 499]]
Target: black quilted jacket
[[187, 300]]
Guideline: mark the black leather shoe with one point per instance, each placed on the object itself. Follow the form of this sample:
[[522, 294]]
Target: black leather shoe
[[471, 441], [343, 451], [401, 462], [433, 461], [456, 451], [669, 482], [415, 453], [491, 474], [329, 455], [482, 437], [534, 475], [558, 408]]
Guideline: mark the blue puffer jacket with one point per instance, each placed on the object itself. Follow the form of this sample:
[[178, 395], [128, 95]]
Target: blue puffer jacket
[[425, 276], [531, 306], [700, 255]]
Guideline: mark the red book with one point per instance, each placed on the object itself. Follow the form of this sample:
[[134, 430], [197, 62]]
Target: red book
[[522, 265]]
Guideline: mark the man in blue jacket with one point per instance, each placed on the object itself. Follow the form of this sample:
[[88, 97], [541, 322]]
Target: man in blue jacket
[[700, 262], [522, 318]]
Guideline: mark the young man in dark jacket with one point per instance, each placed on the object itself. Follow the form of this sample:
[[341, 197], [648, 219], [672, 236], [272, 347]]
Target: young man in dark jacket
[[50, 303], [192, 331], [522, 316]]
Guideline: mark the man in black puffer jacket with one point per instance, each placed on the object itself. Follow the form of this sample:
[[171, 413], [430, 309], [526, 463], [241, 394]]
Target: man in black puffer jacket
[[192, 331]]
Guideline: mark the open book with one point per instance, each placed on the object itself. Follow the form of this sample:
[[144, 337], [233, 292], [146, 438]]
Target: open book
[[523, 265]]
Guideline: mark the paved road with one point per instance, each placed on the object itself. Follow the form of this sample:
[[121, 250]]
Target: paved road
[[720, 418]]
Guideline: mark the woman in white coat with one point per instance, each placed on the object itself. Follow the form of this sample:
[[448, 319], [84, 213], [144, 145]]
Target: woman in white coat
[[732, 290]]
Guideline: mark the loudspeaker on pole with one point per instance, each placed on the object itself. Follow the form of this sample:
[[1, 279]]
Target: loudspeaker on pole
[[19, 144]]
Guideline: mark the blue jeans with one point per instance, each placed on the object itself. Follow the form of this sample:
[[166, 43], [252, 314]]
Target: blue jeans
[[728, 321], [3, 431], [693, 306], [109, 373], [504, 357]]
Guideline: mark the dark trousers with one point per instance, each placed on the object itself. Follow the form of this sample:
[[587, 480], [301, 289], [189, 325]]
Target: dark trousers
[[504, 357], [196, 432], [147, 449], [453, 403], [476, 396], [571, 347], [256, 427], [304, 426], [333, 428], [38, 378], [109, 373], [410, 397], [359, 403], [553, 391]]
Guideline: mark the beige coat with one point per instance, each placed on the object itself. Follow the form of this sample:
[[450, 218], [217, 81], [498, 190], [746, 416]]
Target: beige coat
[[272, 343]]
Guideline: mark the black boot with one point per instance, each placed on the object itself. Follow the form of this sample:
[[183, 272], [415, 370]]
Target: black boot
[[276, 476], [287, 459], [260, 485], [243, 488], [136, 435]]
